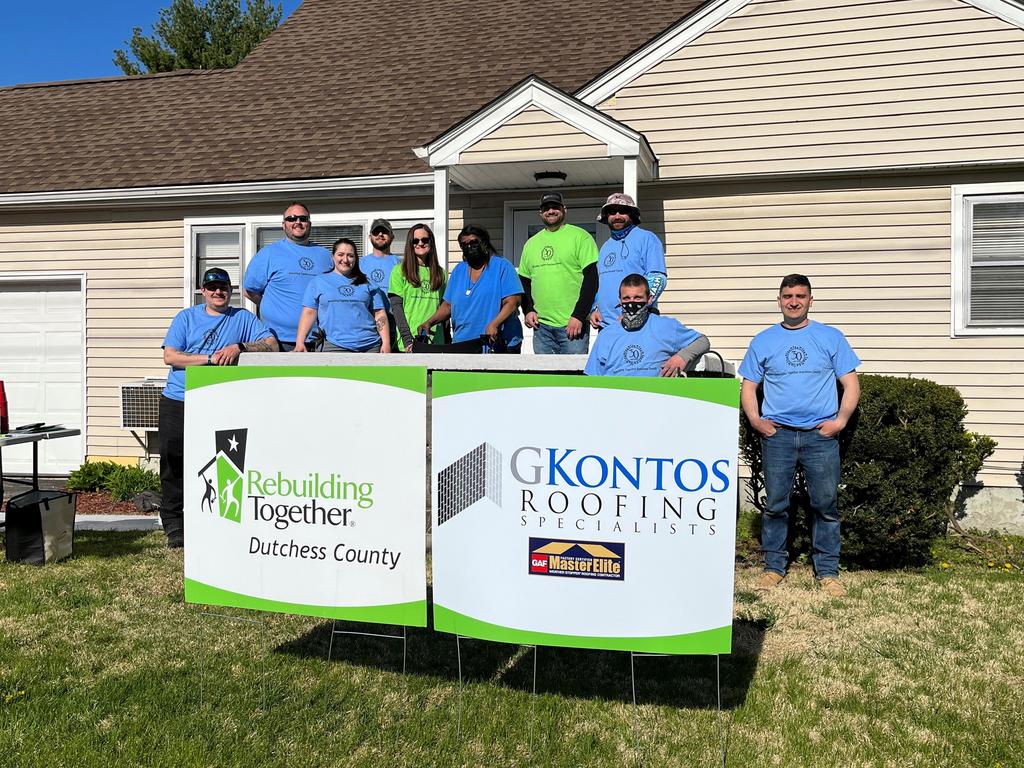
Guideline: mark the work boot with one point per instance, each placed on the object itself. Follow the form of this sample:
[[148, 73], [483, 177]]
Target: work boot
[[768, 580], [832, 586]]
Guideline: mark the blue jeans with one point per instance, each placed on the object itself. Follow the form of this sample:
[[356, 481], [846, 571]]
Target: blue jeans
[[819, 456], [548, 340]]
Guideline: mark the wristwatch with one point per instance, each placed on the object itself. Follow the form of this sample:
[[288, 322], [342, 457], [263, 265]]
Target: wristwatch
[[209, 359], [241, 347]]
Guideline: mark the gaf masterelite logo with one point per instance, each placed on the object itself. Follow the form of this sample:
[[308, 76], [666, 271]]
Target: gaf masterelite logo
[[226, 486]]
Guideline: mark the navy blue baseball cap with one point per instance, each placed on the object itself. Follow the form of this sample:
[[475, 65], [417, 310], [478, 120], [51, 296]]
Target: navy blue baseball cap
[[216, 275]]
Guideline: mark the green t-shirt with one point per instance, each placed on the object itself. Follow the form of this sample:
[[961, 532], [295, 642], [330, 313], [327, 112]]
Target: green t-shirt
[[418, 303], [554, 262]]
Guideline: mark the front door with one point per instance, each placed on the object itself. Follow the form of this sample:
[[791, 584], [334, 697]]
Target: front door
[[526, 223]]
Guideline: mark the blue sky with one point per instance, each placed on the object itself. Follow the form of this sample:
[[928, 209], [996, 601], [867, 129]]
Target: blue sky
[[69, 39]]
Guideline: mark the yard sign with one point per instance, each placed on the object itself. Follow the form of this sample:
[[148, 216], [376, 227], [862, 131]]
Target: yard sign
[[589, 512], [304, 491]]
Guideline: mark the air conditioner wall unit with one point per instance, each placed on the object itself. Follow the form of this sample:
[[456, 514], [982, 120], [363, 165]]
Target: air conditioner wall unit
[[140, 404]]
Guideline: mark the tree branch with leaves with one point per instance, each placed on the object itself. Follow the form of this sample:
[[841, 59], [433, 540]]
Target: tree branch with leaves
[[191, 34]]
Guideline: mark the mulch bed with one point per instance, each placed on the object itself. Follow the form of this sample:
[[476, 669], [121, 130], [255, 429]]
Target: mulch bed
[[100, 503]]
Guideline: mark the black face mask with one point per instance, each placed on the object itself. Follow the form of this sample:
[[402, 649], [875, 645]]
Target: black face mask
[[473, 254], [634, 314]]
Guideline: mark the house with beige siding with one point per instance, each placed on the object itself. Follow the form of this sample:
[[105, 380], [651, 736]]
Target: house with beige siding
[[875, 146]]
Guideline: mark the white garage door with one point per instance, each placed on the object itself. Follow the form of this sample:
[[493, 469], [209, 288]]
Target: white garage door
[[41, 349]]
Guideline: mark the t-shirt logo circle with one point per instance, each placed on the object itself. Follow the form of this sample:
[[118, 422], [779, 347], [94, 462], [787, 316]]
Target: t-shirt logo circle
[[633, 354], [377, 276], [796, 356], [306, 263], [548, 253], [346, 290], [609, 260]]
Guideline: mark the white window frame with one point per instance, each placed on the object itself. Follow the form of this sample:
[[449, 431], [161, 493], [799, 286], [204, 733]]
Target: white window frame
[[248, 226], [962, 196]]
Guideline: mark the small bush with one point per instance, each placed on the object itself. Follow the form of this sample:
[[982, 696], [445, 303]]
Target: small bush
[[91, 476], [125, 482], [904, 453]]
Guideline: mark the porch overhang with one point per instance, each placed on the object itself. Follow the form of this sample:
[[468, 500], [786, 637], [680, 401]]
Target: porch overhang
[[534, 128]]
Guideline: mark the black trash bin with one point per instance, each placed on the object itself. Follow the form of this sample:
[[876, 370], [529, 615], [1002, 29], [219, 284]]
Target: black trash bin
[[41, 526]]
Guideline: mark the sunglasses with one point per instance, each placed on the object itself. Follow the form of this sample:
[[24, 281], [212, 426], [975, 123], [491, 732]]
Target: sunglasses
[[293, 219], [624, 211], [214, 287], [421, 241], [380, 231], [464, 244]]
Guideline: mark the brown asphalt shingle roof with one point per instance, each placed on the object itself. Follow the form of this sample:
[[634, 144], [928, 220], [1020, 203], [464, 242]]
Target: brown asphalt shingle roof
[[342, 88]]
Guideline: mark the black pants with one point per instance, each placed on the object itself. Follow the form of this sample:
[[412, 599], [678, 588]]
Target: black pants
[[172, 467]]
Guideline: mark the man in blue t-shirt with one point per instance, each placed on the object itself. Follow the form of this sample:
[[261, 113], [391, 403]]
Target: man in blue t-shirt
[[642, 343], [278, 274], [212, 333], [798, 362], [378, 264], [629, 250]]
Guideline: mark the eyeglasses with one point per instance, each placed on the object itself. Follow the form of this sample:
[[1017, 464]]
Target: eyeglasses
[[293, 219], [420, 241], [380, 231], [215, 287], [464, 244]]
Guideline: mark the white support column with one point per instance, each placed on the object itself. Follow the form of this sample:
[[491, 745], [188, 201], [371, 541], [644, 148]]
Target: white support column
[[441, 214], [629, 178]]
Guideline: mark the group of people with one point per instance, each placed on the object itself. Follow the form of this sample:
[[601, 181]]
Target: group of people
[[565, 287]]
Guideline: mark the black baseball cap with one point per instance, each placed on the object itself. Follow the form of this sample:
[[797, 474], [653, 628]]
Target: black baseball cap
[[381, 224], [216, 275], [552, 197]]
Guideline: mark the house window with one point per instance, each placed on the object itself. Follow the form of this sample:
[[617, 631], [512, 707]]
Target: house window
[[991, 279], [318, 235], [217, 247]]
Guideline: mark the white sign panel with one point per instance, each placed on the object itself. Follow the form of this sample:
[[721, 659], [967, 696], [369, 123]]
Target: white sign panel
[[304, 491], [585, 511]]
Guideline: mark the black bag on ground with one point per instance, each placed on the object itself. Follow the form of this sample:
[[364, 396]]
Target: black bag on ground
[[41, 526], [707, 373]]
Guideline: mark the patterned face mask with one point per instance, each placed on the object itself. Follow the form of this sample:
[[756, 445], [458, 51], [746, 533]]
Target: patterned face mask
[[634, 314]]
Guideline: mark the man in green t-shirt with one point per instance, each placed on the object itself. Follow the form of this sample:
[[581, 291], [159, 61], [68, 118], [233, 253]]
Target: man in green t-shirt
[[558, 269]]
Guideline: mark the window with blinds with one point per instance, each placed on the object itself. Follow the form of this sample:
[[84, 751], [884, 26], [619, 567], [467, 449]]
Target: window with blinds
[[217, 247], [995, 262], [319, 235]]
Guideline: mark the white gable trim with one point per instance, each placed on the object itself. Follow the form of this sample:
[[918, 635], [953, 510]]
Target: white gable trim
[[659, 49], [621, 140], [1004, 9], [702, 20]]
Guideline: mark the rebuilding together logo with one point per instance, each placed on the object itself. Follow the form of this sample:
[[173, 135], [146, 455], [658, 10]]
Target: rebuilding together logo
[[235, 492]]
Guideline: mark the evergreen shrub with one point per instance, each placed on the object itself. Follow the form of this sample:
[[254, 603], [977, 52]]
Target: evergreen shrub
[[903, 454]]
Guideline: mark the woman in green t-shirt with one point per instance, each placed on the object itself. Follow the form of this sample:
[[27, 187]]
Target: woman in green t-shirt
[[417, 287]]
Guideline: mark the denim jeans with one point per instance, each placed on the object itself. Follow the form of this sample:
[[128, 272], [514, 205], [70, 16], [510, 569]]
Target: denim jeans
[[548, 340], [819, 457]]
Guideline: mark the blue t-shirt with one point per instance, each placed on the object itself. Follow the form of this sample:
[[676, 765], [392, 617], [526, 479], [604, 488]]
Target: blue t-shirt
[[281, 271], [378, 271], [196, 332], [618, 352], [345, 311], [799, 369], [475, 305], [640, 252]]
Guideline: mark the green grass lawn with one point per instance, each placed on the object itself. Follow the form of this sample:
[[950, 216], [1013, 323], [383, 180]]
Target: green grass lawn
[[101, 663]]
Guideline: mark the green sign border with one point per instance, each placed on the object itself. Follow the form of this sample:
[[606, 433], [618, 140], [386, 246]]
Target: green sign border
[[719, 391], [413, 614], [413, 378], [709, 641]]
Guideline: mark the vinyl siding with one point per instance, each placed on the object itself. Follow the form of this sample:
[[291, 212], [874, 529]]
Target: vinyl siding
[[879, 259], [134, 284], [533, 134], [796, 86]]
